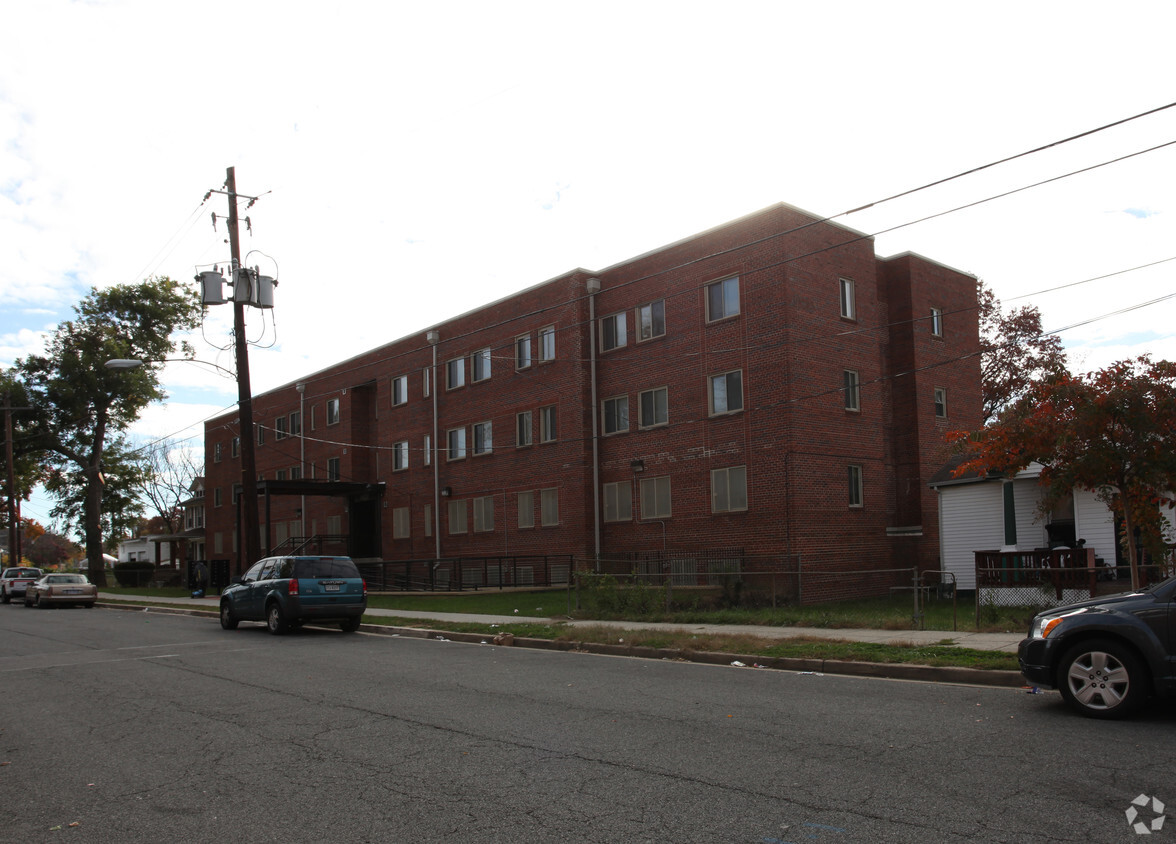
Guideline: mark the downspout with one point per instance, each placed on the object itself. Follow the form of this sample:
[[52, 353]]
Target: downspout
[[302, 455], [434, 337], [593, 287]]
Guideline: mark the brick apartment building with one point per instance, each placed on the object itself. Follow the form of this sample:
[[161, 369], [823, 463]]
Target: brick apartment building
[[770, 385]]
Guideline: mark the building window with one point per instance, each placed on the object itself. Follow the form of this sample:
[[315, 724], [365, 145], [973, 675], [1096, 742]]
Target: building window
[[547, 426], [615, 412], [235, 447], [547, 344], [428, 450], [401, 523], [295, 473], [281, 428], [651, 320], [722, 299], [612, 332], [852, 389], [400, 456], [655, 497], [455, 374], [549, 507], [281, 475], [427, 381], [484, 514], [313, 417], [296, 424], [216, 453], [483, 437], [618, 501], [400, 390], [848, 302], [261, 434], [458, 517], [216, 497], [855, 486], [523, 429], [937, 322], [655, 409], [729, 489], [523, 351], [428, 520], [332, 411], [333, 469], [941, 402], [526, 509], [726, 392], [457, 444], [480, 365]]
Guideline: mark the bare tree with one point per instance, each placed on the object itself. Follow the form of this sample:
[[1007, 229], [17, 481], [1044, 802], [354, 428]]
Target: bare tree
[[170, 469]]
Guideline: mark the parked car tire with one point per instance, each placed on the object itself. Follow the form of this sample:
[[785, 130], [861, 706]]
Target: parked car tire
[[350, 625], [275, 619], [39, 604], [227, 619], [5, 597], [1101, 678]]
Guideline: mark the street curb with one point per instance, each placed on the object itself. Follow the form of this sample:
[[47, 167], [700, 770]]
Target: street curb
[[881, 670]]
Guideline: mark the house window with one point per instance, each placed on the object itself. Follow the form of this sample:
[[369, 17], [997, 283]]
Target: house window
[[618, 501], [333, 469], [855, 486], [261, 434], [941, 402], [523, 351], [455, 374], [526, 509], [401, 524], [457, 444], [852, 389], [651, 320], [484, 514], [616, 415], [428, 450], [458, 517], [654, 408], [848, 303], [729, 489], [332, 411], [547, 427], [216, 453], [722, 299], [726, 392], [937, 322], [483, 437], [612, 332], [547, 344], [428, 520], [281, 428], [523, 428], [549, 506], [480, 365], [296, 424], [235, 447], [400, 456], [400, 390], [655, 497]]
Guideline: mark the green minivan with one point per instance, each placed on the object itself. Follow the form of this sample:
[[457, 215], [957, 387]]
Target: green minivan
[[287, 592]]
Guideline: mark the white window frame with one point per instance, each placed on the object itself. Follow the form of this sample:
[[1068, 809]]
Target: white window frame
[[296, 423], [455, 374], [235, 447], [281, 429], [484, 514], [333, 413], [711, 397], [400, 390], [657, 488], [427, 381], [613, 332], [455, 444], [522, 349], [614, 415], [642, 421], [848, 294], [855, 486], [400, 456], [483, 438], [401, 523], [730, 304], [458, 519], [548, 424], [480, 366], [851, 386], [729, 489], [524, 432], [647, 318], [937, 322], [940, 398], [334, 469], [618, 501], [428, 450], [546, 340], [549, 507], [526, 509]]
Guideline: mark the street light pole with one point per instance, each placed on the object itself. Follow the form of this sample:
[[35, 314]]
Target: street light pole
[[250, 539]]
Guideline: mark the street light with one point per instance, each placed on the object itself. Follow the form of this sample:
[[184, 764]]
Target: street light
[[134, 363]]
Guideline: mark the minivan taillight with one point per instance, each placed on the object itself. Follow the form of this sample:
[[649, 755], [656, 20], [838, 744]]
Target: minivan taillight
[[292, 588]]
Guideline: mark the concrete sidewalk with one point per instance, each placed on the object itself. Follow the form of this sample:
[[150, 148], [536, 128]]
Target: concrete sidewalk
[[979, 641]]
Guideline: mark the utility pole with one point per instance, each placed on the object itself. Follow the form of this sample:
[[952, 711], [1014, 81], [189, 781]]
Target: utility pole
[[250, 540], [13, 532]]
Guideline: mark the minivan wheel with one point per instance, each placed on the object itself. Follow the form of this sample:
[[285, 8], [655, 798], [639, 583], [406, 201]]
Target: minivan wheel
[[1101, 678], [227, 619], [275, 620]]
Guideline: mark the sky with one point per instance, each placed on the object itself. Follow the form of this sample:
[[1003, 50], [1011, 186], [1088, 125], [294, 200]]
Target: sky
[[416, 160]]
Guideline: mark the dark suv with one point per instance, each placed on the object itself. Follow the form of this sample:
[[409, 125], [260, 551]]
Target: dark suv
[[285, 592], [1106, 655]]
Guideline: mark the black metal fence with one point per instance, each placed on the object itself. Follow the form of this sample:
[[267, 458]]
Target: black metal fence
[[457, 574]]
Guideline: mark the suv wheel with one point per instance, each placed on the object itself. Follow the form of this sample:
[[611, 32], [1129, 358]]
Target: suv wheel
[[227, 619], [275, 619], [350, 625], [1101, 678]]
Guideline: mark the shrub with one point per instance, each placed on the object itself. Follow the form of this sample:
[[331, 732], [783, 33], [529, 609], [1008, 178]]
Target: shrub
[[134, 574]]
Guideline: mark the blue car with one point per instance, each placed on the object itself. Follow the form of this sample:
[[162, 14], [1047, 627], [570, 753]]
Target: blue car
[[287, 592]]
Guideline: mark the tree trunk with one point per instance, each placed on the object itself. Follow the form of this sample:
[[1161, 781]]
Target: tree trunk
[[1129, 534], [93, 519]]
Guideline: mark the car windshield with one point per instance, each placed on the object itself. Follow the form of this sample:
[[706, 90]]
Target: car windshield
[[325, 567]]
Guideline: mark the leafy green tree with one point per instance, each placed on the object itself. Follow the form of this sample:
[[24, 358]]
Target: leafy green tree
[[28, 460], [78, 403], [123, 475], [1112, 432]]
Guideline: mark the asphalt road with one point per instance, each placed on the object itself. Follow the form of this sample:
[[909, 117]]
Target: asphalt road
[[145, 727]]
